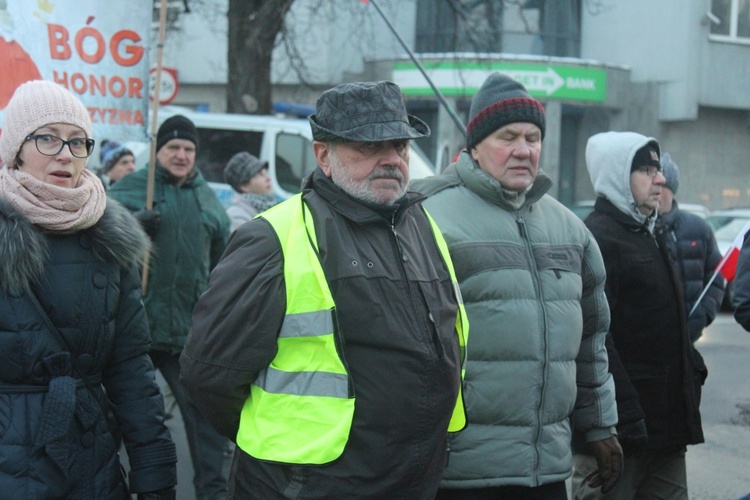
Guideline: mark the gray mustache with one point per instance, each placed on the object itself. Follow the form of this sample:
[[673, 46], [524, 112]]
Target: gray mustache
[[389, 173]]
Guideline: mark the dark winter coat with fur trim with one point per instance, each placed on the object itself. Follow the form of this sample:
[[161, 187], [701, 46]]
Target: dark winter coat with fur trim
[[54, 440]]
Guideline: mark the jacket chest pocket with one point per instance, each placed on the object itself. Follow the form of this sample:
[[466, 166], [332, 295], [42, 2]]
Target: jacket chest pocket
[[562, 265]]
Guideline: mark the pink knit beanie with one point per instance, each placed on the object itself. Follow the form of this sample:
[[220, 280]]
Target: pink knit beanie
[[33, 105]]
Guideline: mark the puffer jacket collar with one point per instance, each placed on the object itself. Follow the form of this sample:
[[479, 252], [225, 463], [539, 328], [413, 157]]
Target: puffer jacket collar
[[670, 219], [116, 238]]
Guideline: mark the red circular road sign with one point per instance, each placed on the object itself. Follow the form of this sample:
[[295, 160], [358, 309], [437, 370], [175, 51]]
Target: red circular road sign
[[169, 86]]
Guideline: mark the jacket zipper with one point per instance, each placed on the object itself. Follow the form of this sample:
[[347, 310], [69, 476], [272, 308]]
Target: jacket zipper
[[535, 278], [431, 332]]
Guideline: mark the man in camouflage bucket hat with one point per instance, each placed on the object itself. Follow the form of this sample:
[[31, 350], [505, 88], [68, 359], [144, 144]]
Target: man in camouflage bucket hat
[[331, 338]]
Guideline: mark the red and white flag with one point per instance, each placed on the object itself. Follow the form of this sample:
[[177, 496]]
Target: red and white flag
[[728, 265]]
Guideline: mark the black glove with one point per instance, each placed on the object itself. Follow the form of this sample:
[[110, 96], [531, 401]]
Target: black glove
[[150, 220], [165, 494], [632, 436]]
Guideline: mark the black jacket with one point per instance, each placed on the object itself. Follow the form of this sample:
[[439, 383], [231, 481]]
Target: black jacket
[[54, 440], [693, 248], [656, 369], [396, 311]]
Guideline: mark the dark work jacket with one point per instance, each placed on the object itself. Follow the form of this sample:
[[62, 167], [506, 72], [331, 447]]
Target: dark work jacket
[[396, 311], [693, 248], [54, 439], [656, 369], [191, 237]]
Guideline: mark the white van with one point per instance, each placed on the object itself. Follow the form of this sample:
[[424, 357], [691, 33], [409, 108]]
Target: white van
[[285, 143]]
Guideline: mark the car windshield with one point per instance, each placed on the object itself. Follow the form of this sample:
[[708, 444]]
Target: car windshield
[[730, 229]]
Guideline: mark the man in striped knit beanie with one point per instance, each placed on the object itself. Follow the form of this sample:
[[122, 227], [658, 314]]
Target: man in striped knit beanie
[[532, 279]]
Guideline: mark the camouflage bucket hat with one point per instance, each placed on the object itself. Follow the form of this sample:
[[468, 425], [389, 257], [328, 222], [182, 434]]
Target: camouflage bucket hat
[[366, 112]]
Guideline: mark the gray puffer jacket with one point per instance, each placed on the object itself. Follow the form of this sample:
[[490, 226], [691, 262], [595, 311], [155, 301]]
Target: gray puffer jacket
[[532, 281], [54, 439]]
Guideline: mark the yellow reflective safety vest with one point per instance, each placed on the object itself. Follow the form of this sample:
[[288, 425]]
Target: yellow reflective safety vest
[[301, 406]]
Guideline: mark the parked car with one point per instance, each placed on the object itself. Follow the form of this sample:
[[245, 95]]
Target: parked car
[[694, 208], [727, 225], [285, 143], [720, 218]]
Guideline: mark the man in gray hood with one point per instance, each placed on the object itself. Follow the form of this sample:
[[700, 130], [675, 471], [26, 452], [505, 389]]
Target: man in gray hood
[[658, 374]]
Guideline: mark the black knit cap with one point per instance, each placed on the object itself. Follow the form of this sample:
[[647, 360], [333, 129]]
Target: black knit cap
[[500, 101], [364, 112], [648, 155], [176, 127]]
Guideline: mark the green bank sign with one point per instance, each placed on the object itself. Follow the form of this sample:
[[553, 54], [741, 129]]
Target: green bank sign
[[543, 81]]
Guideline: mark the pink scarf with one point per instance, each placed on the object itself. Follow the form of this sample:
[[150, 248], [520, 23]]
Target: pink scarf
[[54, 208]]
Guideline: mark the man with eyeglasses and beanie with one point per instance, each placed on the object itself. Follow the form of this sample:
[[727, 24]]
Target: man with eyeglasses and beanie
[[330, 341], [658, 373], [189, 229], [532, 279]]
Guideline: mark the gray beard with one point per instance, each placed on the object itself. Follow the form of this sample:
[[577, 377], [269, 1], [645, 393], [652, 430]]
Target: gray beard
[[362, 190]]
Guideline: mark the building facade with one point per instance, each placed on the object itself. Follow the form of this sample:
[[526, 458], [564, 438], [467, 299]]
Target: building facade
[[671, 69]]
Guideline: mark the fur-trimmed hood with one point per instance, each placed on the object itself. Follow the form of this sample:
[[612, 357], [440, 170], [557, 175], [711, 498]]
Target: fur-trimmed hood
[[117, 238]]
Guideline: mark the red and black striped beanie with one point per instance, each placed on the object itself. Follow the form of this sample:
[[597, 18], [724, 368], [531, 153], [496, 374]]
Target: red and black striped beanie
[[500, 101]]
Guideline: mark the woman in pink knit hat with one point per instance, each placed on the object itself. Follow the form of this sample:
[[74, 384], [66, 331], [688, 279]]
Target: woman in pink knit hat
[[74, 368]]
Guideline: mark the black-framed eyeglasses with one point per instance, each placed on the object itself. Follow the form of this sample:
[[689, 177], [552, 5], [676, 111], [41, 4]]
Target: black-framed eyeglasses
[[51, 145], [650, 170]]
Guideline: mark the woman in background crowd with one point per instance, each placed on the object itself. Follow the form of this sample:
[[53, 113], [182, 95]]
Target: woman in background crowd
[[117, 161], [249, 178]]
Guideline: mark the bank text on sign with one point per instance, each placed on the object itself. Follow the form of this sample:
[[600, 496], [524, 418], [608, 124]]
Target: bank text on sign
[[541, 80]]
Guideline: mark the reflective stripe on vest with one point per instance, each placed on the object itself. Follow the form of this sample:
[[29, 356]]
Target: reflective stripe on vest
[[458, 419], [301, 407]]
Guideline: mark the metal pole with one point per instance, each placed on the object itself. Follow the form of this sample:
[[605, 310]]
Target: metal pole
[[437, 92]]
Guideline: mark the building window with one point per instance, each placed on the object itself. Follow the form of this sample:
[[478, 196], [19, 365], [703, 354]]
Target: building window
[[730, 20], [537, 27]]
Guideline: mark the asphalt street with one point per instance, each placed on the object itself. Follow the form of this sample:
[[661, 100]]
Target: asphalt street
[[718, 469]]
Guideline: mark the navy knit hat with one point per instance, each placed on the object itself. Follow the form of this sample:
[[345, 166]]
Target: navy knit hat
[[500, 101], [671, 172], [176, 127], [111, 152]]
